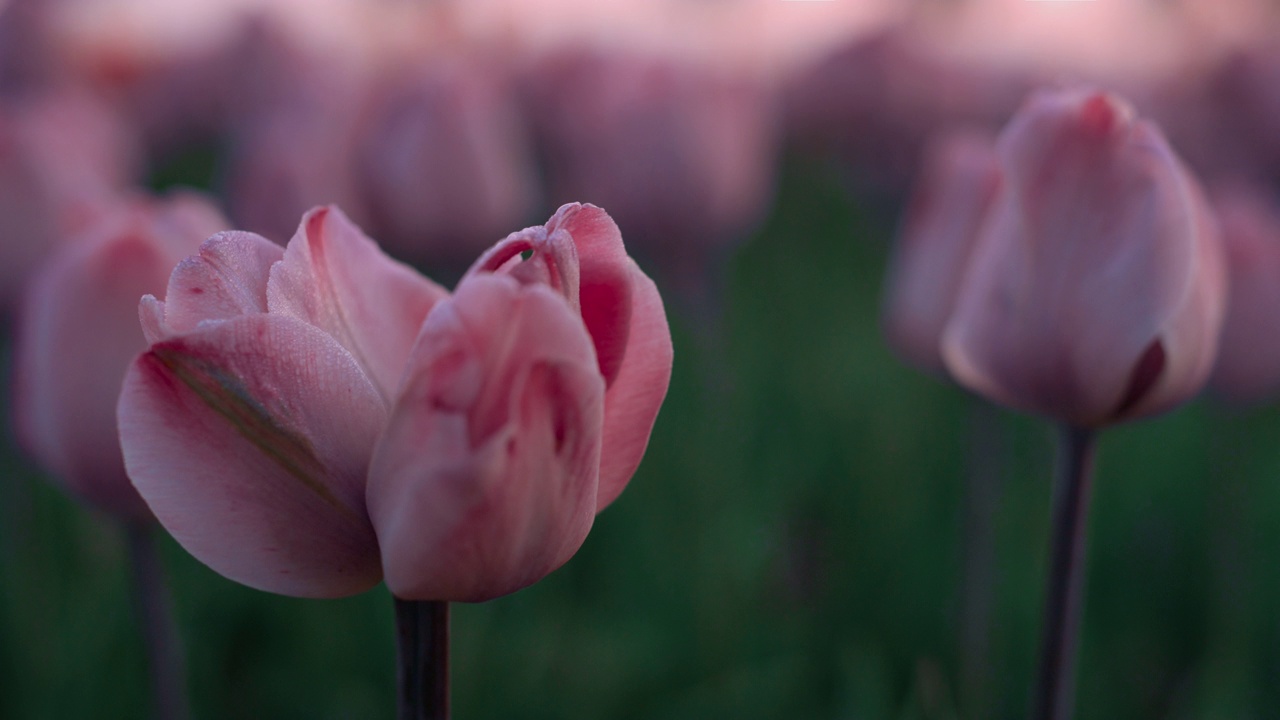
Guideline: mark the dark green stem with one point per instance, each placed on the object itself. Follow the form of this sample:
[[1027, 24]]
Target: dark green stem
[[1064, 597], [165, 663], [422, 644]]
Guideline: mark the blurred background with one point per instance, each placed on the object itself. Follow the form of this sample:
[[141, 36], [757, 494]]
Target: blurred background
[[818, 530]]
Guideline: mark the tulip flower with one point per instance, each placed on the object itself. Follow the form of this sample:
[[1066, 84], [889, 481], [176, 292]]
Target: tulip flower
[[79, 332], [1248, 365], [1094, 295], [443, 160], [959, 180], [307, 418], [1097, 288], [64, 154]]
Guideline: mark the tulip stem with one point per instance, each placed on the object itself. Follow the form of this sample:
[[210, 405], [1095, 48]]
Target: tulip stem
[[1064, 595], [422, 641], [154, 608]]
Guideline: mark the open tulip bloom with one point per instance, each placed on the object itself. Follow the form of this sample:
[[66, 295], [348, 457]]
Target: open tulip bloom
[[312, 419], [1094, 295]]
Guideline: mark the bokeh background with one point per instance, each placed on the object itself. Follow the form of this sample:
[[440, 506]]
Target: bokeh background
[[817, 530]]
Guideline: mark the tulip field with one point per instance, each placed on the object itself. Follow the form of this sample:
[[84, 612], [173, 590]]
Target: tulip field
[[797, 543], [641, 360]]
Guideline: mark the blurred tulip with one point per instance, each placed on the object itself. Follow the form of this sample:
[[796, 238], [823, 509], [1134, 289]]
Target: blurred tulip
[[251, 423], [79, 331], [63, 154], [876, 101], [1248, 366], [443, 160], [1097, 288], [683, 156], [960, 178]]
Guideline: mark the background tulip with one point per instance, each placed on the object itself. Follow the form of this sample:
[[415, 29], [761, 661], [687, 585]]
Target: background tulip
[[79, 331], [1097, 288], [941, 226], [1248, 364]]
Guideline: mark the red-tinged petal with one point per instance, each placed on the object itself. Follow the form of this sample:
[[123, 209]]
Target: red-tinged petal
[[79, 332], [485, 479], [227, 279], [632, 401], [337, 279], [605, 274], [250, 440]]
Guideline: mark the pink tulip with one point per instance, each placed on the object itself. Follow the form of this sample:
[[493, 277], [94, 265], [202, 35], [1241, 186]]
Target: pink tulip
[[682, 155], [960, 178], [443, 159], [1248, 366], [307, 419], [1097, 288], [535, 424], [63, 155], [79, 331]]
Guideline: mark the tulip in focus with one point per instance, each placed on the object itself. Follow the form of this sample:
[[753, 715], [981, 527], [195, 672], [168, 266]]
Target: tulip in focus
[[960, 178], [1097, 288], [1248, 366], [308, 418], [79, 332]]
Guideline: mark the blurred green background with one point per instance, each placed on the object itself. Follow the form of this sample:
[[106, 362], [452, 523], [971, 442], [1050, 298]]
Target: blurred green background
[[809, 536]]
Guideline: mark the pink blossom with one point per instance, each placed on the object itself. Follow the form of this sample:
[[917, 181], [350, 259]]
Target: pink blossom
[[308, 419], [79, 331], [1097, 288]]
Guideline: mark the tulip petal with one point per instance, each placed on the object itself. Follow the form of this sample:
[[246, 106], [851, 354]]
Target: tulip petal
[[632, 401], [227, 279], [605, 279], [485, 479], [249, 439], [337, 279]]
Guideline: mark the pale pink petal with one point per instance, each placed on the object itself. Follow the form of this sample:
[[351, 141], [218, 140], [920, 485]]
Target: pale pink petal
[[249, 439], [227, 279], [337, 279], [485, 479], [79, 331], [633, 399]]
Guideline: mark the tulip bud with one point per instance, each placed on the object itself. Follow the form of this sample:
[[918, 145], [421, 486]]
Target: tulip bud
[[1097, 288], [960, 178], [79, 331], [1248, 366]]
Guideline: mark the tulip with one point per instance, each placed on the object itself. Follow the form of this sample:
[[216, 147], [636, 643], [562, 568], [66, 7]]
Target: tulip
[[63, 155], [1094, 295], [1097, 287], [960, 178], [443, 160], [534, 424], [1248, 366], [79, 331], [306, 419]]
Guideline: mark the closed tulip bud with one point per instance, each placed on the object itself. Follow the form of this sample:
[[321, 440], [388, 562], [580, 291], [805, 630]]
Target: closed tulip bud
[[79, 331], [1097, 288], [959, 180], [1248, 366]]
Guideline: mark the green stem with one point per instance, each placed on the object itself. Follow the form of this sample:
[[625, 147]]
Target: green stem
[[1064, 597], [422, 642], [154, 609]]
